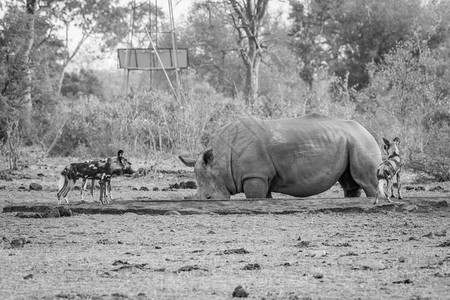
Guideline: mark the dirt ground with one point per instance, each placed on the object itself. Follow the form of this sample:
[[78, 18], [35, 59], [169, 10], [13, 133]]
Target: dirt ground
[[322, 254]]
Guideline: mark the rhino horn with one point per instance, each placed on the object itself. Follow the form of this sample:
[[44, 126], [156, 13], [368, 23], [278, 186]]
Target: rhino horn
[[190, 162]]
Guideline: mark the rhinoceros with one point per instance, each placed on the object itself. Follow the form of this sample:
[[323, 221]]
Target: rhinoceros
[[300, 157]]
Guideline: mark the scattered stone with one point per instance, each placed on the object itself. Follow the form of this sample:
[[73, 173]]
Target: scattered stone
[[412, 238], [134, 189], [401, 259], [406, 281], [239, 292], [190, 268], [346, 244], [441, 203], [51, 212], [144, 188], [252, 267], [440, 233], [409, 188], [351, 253], [318, 275], [303, 244], [371, 264], [18, 243], [158, 247], [444, 244], [172, 213], [155, 189], [411, 208], [35, 186], [419, 188], [236, 251], [184, 185], [428, 235], [22, 188], [65, 211], [211, 232], [436, 188], [29, 276]]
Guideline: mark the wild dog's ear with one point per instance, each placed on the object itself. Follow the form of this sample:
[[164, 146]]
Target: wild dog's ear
[[208, 157], [190, 162], [386, 142], [120, 153], [397, 140]]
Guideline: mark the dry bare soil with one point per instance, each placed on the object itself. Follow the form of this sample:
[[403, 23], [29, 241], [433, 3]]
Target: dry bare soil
[[323, 247]]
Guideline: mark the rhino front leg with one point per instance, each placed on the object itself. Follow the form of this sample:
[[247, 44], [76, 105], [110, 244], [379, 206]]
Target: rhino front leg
[[256, 188]]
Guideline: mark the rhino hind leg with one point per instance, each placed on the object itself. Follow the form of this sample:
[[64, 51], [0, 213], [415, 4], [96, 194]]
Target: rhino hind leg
[[349, 185]]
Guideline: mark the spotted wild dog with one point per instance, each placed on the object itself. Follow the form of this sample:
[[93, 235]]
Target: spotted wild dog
[[101, 170], [388, 169]]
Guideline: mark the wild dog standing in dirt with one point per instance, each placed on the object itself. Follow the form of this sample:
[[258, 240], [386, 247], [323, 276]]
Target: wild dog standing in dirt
[[101, 170], [388, 169]]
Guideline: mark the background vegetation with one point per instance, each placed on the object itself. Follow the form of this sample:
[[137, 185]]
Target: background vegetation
[[384, 63]]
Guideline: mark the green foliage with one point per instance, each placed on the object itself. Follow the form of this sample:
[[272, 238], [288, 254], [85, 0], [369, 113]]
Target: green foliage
[[348, 34], [405, 99], [84, 82]]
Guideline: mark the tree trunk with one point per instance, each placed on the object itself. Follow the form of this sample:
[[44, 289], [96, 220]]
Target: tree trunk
[[28, 109]]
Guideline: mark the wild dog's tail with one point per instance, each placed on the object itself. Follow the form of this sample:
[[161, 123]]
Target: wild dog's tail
[[381, 183]]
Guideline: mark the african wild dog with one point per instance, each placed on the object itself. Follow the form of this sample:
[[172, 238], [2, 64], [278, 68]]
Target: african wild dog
[[388, 169], [101, 170]]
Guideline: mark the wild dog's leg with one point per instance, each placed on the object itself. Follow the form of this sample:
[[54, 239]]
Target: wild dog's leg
[[108, 190], [62, 186], [92, 189], [83, 187], [70, 185], [389, 187], [399, 186]]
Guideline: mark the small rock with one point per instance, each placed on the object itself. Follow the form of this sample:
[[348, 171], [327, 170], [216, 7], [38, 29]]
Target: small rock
[[236, 251], [436, 188], [18, 243], [441, 203], [419, 188], [239, 292], [318, 275], [155, 189], [172, 213], [411, 208], [372, 264], [303, 244], [428, 235], [51, 212], [211, 232], [444, 244], [29, 276], [401, 259], [406, 281], [252, 267], [144, 188], [35, 186], [65, 211], [440, 233]]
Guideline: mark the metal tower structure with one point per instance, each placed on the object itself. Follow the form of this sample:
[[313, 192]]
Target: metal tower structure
[[153, 58]]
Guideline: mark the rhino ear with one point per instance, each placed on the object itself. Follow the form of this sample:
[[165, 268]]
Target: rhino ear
[[208, 156], [188, 161]]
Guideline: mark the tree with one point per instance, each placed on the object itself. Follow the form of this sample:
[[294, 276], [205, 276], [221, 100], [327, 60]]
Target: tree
[[247, 19], [348, 34]]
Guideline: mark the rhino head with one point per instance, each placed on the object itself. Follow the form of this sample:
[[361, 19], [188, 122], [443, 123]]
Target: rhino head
[[210, 181]]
